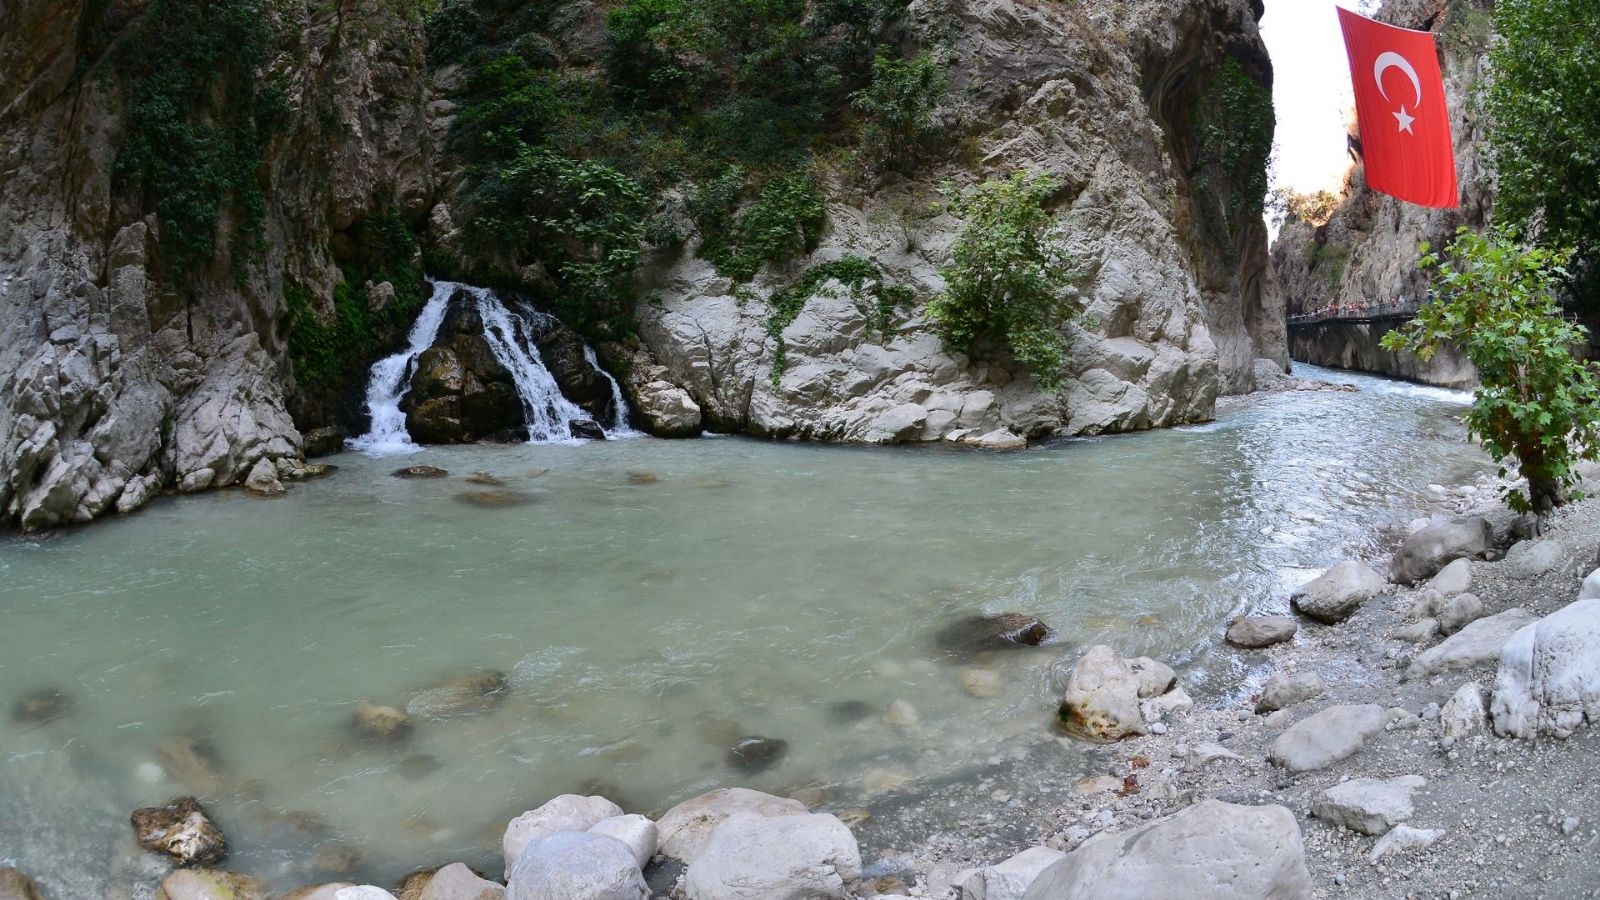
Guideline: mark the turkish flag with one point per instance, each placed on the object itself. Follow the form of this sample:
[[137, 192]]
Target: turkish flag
[[1405, 127]]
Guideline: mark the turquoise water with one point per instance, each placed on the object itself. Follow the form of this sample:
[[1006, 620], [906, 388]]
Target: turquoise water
[[649, 602]]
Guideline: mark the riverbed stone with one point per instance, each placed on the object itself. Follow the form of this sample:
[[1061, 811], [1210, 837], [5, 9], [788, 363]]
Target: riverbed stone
[[1322, 739], [755, 857], [1405, 839], [420, 472], [685, 828], [1476, 644], [1463, 714], [1008, 880], [981, 683], [1548, 681], [202, 884], [470, 694], [182, 830], [1255, 632], [1428, 605], [1453, 579], [1424, 553], [976, 634], [1368, 805], [755, 754], [16, 886], [1284, 690], [1460, 611], [568, 812], [1101, 700], [384, 724], [1210, 851], [1526, 559], [1417, 632], [362, 892], [1337, 593], [571, 865], [638, 832], [1159, 708], [40, 706]]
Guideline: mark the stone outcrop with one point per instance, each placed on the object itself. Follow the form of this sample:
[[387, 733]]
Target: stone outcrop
[[1366, 251]]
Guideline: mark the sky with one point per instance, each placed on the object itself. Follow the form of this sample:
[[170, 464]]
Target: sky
[[1311, 92]]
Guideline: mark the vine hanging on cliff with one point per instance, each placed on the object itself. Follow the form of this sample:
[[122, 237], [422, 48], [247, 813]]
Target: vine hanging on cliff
[[199, 118]]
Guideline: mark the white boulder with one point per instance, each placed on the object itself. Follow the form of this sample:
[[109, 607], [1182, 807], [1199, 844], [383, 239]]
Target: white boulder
[[1526, 559], [571, 865], [687, 827], [755, 857], [1008, 880], [1283, 690], [1101, 700], [1549, 677], [1591, 586], [568, 812], [1335, 594], [1405, 839], [638, 832], [1453, 579], [1368, 805], [1426, 552], [1460, 611], [1463, 713]]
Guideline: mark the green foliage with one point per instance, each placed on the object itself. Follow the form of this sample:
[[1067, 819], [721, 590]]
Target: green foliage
[[1286, 205], [862, 278], [1538, 402], [1328, 258], [897, 107], [784, 221], [199, 119], [1543, 105], [1007, 279], [1236, 136]]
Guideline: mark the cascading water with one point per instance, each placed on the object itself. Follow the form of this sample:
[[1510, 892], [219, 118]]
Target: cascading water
[[509, 334], [391, 377]]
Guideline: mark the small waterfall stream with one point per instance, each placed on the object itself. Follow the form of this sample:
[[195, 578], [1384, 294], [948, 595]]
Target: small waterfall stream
[[510, 336]]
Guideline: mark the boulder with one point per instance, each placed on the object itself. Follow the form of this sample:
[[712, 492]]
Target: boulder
[[1255, 632], [1459, 612], [362, 892], [1591, 586], [457, 882], [570, 865], [1476, 644], [467, 695], [568, 812], [1405, 839], [324, 441], [1210, 851], [1173, 702], [1426, 552], [1283, 690], [638, 832], [1368, 805], [200, 884], [1453, 579], [1417, 632], [1008, 880], [586, 430], [263, 479], [562, 352], [1101, 700], [1155, 678], [981, 683], [975, 634], [1335, 594], [419, 472], [756, 754], [755, 857], [181, 830], [1429, 604], [16, 886], [1549, 677], [666, 410], [1526, 559], [686, 828], [1325, 738], [1463, 713]]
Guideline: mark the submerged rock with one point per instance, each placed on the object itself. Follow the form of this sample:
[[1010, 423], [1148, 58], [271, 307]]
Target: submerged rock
[[192, 884], [41, 706], [1548, 682], [181, 830], [976, 634], [756, 754], [1210, 851], [1336, 594], [642, 478], [755, 857], [1426, 552], [686, 828], [571, 865], [468, 695], [486, 479], [495, 498], [568, 812], [420, 472], [194, 762], [383, 724], [16, 886], [850, 711]]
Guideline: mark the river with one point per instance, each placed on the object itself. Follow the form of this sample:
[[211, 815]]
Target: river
[[649, 602]]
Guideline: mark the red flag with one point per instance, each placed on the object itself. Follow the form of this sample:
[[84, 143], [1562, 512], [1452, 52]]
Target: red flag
[[1405, 127]]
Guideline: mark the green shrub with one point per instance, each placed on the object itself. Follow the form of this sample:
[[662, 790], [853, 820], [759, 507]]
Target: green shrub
[[1495, 299], [199, 119], [897, 107], [862, 278], [1006, 279], [784, 221], [1236, 136]]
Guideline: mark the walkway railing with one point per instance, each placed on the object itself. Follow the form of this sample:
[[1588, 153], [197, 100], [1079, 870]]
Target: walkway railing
[[1399, 308]]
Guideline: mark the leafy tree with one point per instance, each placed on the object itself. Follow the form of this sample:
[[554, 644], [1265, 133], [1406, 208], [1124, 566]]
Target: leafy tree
[[898, 106], [1006, 279], [1495, 298], [1543, 105]]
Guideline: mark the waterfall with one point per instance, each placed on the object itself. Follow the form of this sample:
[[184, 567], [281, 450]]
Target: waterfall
[[620, 426], [391, 377], [510, 339]]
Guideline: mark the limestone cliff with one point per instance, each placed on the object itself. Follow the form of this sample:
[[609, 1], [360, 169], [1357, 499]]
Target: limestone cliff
[[128, 367], [1366, 250]]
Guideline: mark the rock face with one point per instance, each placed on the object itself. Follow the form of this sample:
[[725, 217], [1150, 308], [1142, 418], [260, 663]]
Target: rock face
[[569, 865], [1323, 739], [1476, 644], [1337, 593], [1426, 552], [180, 830], [1210, 851], [1549, 677], [1366, 250], [1368, 805], [459, 392], [755, 857]]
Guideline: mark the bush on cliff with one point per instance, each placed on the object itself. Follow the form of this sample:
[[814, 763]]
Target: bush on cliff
[[1495, 298], [1007, 279]]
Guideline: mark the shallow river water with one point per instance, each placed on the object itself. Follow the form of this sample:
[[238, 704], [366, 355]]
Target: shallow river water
[[650, 602]]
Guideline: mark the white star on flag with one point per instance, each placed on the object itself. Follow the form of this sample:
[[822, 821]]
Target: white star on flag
[[1404, 120]]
